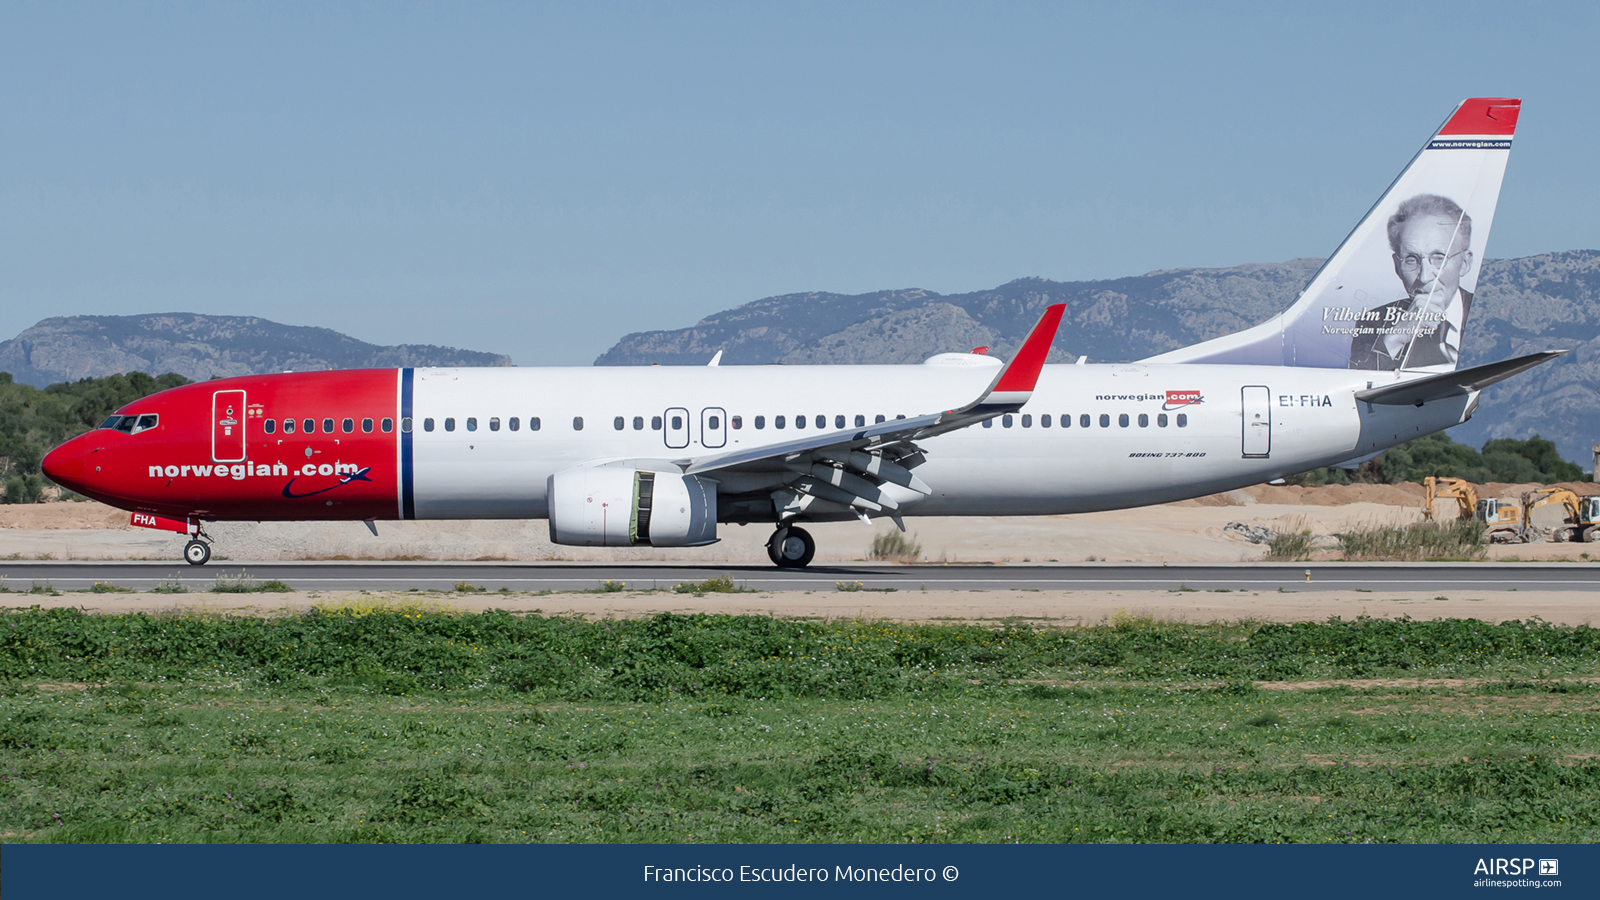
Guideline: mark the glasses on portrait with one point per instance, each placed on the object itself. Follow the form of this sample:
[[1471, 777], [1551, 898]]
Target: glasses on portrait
[[1413, 263]]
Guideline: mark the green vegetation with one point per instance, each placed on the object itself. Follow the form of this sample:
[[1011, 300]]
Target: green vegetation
[[1290, 545], [1456, 539], [242, 583], [32, 421], [1502, 459], [719, 585], [896, 546], [417, 725]]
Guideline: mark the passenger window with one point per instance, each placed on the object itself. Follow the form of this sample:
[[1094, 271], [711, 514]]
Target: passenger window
[[838, 422], [347, 426], [1161, 420], [388, 425], [619, 423], [778, 422], [427, 424], [533, 423], [822, 421], [1006, 420], [472, 423], [450, 423], [494, 423], [878, 419], [714, 422], [311, 425], [1044, 421], [677, 422], [366, 426], [327, 426], [761, 422], [736, 421], [1083, 421], [638, 423], [900, 416], [514, 423], [1183, 420], [269, 426], [1027, 421], [577, 423], [1122, 420], [1144, 421], [405, 424], [288, 426], [860, 421], [1105, 421], [655, 423], [799, 421], [988, 423]]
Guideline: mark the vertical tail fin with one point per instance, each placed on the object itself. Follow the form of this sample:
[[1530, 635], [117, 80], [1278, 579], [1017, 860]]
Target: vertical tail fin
[[1396, 294]]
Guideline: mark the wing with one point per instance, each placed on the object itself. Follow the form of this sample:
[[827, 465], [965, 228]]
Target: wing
[[852, 467]]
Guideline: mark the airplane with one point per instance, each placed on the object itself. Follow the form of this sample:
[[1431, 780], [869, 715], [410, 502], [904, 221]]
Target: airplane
[[1364, 359]]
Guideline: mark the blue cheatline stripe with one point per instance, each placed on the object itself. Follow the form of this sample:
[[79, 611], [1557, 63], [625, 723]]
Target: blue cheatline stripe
[[408, 501]]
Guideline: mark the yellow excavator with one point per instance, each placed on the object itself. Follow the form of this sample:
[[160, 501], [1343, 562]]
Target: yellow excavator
[[1503, 517], [1581, 522], [1458, 489]]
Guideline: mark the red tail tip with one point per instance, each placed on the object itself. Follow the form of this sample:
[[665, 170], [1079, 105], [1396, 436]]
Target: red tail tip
[[1484, 115]]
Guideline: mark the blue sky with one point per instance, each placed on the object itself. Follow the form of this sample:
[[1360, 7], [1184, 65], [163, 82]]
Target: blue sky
[[539, 180]]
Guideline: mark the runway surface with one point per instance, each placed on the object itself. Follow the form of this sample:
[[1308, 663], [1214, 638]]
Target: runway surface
[[518, 576]]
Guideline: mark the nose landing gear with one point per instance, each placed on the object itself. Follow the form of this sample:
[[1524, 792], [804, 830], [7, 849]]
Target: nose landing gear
[[791, 548], [196, 552]]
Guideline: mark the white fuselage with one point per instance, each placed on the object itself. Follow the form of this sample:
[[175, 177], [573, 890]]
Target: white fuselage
[[1250, 424]]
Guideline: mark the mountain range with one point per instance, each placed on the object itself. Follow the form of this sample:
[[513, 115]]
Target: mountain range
[[200, 347], [1549, 301]]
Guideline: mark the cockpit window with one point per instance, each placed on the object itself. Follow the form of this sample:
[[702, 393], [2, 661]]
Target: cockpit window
[[131, 424]]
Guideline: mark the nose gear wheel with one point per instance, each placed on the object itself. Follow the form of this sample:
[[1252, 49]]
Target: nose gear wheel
[[196, 553]]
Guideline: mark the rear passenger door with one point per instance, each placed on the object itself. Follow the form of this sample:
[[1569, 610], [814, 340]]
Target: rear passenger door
[[1257, 438]]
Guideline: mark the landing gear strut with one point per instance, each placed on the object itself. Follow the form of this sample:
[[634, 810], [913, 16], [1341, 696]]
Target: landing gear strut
[[791, 548], [196, 552]]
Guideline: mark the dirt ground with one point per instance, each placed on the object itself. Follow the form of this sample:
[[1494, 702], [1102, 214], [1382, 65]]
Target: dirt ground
[[1039, 607], [1187, 531]]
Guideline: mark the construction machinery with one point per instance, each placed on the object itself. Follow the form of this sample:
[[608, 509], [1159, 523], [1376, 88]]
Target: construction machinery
[[1458, 489], [1581, 522], [1504, 518]]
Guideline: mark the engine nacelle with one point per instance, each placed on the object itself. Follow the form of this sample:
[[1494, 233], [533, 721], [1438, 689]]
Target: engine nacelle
[[618, 507]]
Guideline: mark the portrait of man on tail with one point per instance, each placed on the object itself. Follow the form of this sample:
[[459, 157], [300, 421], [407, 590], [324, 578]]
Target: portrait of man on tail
[[1429, 236]]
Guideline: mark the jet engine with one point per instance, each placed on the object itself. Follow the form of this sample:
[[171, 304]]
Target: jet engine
[[618, 507]]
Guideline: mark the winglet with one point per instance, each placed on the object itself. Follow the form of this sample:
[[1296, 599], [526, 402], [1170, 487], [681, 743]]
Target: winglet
[[1014, 384], [1021, 373]]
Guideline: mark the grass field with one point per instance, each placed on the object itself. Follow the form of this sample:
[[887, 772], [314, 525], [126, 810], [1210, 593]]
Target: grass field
[[418, 725]]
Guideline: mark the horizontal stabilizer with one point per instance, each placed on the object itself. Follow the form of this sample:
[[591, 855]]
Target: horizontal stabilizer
[[1453, 384]]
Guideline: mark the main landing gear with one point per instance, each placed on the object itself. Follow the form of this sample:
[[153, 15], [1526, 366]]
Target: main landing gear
[[791, 548]]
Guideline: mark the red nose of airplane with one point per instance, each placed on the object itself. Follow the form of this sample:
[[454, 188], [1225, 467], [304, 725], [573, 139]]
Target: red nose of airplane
[[64, 464]]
